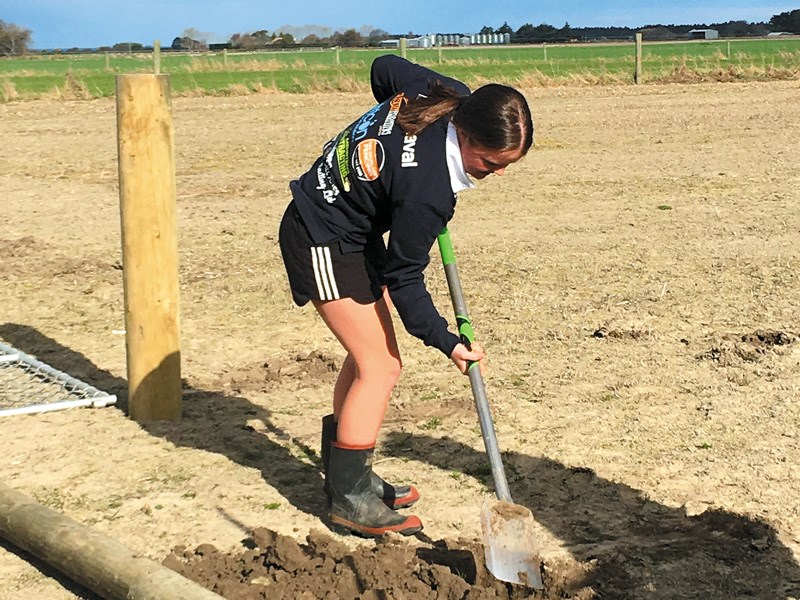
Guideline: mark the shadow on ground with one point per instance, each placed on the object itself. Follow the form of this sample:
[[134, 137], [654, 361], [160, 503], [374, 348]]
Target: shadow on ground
[[638, 548], [212, 421]]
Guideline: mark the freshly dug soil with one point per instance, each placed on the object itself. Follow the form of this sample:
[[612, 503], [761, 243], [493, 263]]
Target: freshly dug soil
[[276, 566]]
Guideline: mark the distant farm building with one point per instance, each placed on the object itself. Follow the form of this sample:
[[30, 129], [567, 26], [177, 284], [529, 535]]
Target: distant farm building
[[703, 34], [451, 39], [470, 39]]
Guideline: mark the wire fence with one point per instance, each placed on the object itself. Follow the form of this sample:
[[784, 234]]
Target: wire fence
[[347, 69], [29, 386]]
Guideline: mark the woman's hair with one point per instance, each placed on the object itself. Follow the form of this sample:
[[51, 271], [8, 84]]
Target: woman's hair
[[494, 116]]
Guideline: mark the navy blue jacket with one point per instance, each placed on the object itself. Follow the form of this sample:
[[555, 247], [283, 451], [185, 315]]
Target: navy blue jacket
[[372, 178]]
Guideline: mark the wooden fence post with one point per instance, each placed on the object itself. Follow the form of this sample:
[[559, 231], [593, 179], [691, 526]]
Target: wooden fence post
[[637, 76], [93, 560], [157, 57], [149, 246], [403, 46]]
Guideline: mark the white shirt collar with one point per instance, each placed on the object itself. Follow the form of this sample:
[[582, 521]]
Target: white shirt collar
[[459, 180]]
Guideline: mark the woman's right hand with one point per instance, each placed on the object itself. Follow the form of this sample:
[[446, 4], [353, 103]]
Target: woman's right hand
[[462, 357]]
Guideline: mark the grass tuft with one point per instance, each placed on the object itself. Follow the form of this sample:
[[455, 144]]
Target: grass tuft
[[8, 91]]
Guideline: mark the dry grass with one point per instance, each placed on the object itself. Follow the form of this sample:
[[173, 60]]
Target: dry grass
[[73, 89], [8, 91], [534, 78], [234, 89], [350, 84], [684, 74], [537, 78]]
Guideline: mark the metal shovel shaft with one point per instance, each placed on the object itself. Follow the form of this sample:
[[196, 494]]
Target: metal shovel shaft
[[475, 378]]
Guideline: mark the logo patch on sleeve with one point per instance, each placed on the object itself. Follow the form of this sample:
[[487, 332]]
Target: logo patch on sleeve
[[394, 107], [368, 159]]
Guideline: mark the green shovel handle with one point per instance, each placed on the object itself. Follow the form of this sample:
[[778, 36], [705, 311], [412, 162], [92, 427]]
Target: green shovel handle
[[465, 330]]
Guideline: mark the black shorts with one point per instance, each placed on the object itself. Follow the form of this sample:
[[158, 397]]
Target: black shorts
[[323, 271]]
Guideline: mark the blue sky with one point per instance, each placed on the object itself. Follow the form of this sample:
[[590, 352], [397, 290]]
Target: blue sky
[[91, 23]]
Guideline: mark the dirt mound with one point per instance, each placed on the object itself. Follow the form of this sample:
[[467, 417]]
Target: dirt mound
[[621, 334], [733, 348], [274, 566], [264, 375], [23, 255]]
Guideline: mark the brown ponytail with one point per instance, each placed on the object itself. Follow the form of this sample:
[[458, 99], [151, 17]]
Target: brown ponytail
[[494, 116], [420, 112]]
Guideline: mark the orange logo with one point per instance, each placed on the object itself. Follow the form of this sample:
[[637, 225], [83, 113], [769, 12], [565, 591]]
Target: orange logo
[[368, 159]]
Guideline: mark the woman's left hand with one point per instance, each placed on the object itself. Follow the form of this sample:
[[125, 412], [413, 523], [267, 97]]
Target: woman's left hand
[[462, 357]]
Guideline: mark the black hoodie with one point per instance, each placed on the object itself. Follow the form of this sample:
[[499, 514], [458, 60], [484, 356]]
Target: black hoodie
[[372, 178]]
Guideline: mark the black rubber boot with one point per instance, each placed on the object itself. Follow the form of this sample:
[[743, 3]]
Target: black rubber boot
[[393, 496], [354, 506]]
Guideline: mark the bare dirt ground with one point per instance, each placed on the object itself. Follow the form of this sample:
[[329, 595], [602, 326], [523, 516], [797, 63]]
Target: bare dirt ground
[[635, 281]]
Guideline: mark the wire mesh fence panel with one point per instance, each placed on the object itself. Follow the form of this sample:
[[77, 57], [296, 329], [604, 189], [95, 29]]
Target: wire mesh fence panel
[[31, 386]]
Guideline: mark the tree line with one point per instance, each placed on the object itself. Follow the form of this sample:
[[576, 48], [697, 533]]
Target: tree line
[[527, 33], [788, 22], [15, 40]]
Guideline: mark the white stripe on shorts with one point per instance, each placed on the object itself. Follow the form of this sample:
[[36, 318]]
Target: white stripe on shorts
[[331, 278], [323, 273]]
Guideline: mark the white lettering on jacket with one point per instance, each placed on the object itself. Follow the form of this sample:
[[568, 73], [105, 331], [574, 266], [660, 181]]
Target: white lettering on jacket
[[408, 158], [326, 186]]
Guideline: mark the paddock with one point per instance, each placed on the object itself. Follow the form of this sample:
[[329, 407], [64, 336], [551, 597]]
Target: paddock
[[634, 281]]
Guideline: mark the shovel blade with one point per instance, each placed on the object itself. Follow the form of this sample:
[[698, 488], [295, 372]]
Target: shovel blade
[[509, 543]]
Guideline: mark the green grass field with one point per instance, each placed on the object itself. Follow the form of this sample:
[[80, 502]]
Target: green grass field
[[89, 76]]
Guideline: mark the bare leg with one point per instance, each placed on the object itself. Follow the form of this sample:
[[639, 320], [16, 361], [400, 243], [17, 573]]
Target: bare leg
[[347, 375], [372, 366]]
